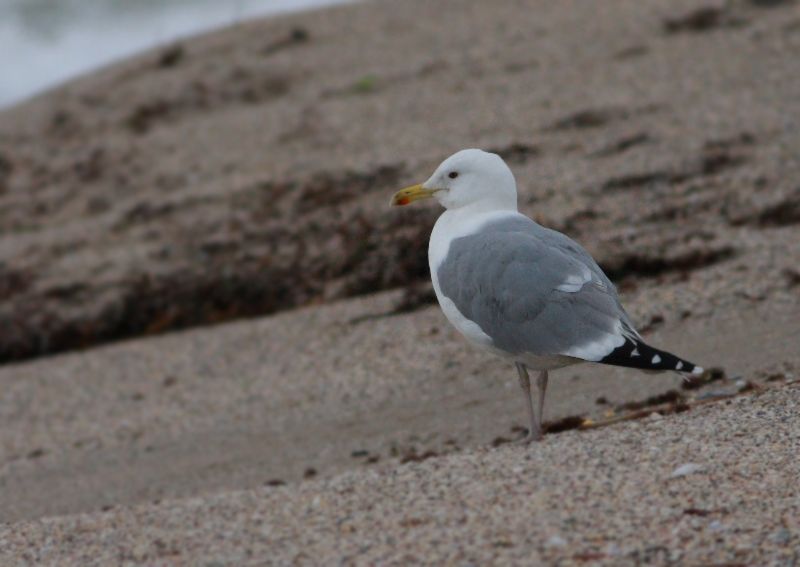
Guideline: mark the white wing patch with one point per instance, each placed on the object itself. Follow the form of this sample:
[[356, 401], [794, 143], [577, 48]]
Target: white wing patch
[[599, 348], [574, 282], [656, 359]]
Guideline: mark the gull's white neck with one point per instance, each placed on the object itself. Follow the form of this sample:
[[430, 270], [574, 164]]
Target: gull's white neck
[[483, 206]]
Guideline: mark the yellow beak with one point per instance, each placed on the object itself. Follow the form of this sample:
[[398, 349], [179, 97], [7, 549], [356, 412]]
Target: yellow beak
[[410, 194]]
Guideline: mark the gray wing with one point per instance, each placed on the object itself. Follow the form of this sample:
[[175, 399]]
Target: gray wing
[[534, 290]]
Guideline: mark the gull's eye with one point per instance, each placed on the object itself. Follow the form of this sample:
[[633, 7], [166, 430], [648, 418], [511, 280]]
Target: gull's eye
[[452, 174]]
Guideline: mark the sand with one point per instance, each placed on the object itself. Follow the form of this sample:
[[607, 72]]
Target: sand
[[651, 492], [317, 408]]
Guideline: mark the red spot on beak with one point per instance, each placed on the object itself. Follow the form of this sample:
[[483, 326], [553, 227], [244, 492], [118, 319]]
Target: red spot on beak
[[403, 201]]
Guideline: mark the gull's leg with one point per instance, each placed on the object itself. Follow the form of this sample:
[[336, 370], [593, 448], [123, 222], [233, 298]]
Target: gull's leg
[[534, 430], [541, 383]]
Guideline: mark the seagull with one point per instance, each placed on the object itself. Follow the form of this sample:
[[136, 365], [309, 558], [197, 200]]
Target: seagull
[[521, 291]]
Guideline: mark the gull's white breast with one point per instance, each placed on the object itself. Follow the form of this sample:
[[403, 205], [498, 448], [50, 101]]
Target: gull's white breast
[[454, 224]]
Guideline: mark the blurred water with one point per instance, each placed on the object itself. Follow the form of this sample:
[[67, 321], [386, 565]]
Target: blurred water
[[45, 42]]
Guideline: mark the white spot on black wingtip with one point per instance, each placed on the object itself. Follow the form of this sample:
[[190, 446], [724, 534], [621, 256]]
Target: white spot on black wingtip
[[679, 365], [635, 352], [698, 370], [656, 359]]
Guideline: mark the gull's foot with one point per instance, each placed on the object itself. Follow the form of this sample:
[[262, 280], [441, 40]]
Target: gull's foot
[[530, 437]]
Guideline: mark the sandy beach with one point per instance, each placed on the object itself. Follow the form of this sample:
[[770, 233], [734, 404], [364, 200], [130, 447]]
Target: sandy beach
[[211, 318]]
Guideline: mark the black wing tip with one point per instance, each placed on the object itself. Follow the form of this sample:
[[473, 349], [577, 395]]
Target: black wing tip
[[637, 354]]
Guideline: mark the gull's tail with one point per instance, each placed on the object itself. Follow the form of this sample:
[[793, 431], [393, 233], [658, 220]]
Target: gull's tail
[[634, 353]]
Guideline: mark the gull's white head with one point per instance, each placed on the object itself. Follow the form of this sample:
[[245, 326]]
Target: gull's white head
[[465, 178]]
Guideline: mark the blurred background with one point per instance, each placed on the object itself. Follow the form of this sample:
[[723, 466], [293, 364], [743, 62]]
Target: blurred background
[[59, 39]]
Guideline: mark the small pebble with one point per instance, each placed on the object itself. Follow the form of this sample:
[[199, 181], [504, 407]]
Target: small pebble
[[687, 469], [781, 537], [556, 541]]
